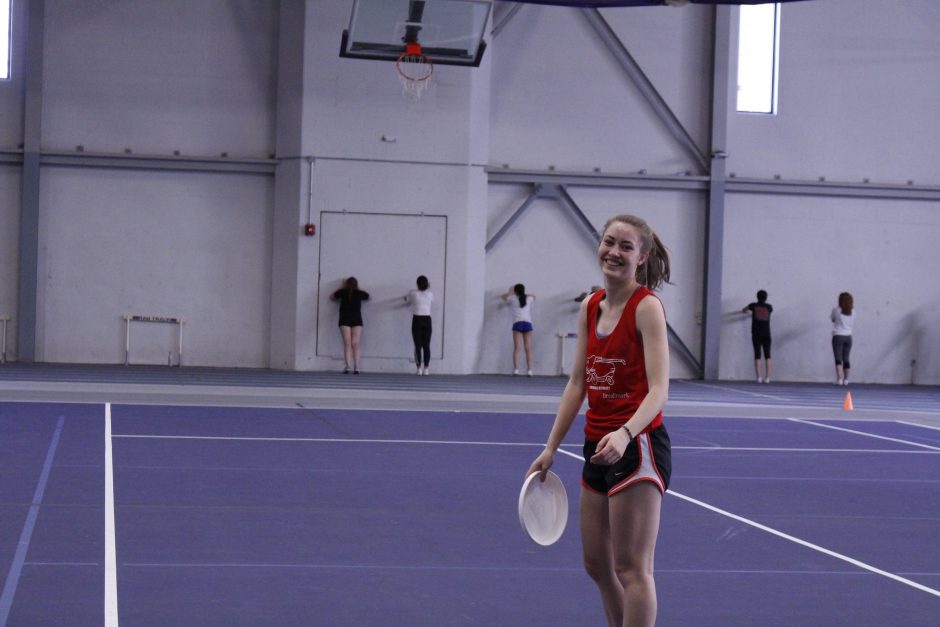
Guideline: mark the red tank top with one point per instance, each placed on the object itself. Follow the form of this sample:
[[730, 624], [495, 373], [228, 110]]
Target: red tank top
[[615, 370]]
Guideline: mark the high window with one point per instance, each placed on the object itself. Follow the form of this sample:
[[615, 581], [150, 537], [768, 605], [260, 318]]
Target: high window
[[4, 39], [758, 54]]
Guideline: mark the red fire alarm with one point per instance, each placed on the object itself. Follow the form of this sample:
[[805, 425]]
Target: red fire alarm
[[310, 230]]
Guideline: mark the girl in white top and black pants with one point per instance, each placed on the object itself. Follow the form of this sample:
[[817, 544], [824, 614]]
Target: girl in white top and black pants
[[843, 317], [420, 301]]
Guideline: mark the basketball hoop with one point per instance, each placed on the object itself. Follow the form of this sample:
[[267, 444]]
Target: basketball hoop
[[414, 71]]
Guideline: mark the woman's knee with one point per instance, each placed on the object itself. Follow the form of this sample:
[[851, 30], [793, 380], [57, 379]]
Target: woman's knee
[[633, 572], [598, 568]]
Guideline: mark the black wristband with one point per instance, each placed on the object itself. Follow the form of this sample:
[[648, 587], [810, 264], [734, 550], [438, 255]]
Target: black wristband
[[627, 429]]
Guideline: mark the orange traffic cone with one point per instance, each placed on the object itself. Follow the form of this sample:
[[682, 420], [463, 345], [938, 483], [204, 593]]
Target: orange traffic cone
[[847, 403]]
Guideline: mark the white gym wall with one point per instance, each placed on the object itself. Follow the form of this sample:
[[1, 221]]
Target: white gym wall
[[9, 235], [225, 251], [855, 99], [197, 78]]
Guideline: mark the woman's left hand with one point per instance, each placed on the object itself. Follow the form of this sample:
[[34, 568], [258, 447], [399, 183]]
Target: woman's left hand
[[611, 448]]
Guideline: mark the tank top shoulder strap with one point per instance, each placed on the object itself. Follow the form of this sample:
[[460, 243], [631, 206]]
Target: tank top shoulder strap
[[639, 294], [596, 298], [594, 303]]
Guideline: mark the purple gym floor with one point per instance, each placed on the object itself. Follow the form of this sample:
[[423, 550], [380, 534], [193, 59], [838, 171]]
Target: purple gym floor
[[264, 516]]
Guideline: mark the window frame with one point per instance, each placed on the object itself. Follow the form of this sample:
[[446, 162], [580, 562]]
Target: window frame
[[768, 101], [6, 39]]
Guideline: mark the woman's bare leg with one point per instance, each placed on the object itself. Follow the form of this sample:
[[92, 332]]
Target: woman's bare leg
[[598, 554], [527, 338], [634, 526], [346, 333], [356, 336]]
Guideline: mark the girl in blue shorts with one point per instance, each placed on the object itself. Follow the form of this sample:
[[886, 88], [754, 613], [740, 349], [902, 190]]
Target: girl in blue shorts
[[521, 325]]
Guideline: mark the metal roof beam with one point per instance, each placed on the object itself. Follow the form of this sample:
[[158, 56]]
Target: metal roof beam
[[588, 179], [502, 13], [28, 305], [155, 162], [643, 83], [715, 206], [733, 185], [512, 219]]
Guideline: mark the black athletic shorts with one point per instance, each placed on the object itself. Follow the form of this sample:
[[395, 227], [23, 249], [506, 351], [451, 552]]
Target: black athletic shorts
[[647, 458], [761, 342]]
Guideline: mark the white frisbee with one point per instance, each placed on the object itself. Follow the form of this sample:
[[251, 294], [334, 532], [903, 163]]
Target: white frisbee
[[543, 508]]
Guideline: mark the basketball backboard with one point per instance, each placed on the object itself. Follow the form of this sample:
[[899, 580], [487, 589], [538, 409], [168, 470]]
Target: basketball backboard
[[449, 32]]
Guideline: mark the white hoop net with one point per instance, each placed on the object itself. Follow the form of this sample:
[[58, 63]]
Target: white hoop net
[[414, 72]]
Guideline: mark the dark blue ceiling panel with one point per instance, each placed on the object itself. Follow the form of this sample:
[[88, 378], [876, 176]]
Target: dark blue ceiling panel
[[600, 4]]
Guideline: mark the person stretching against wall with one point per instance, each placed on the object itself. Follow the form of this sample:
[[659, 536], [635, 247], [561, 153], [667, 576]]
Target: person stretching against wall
[[760, 333], [350, 299], [420, 300], [843, 317], [521, 325]]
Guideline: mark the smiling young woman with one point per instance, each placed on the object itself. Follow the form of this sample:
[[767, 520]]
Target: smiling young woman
[[622, 366]]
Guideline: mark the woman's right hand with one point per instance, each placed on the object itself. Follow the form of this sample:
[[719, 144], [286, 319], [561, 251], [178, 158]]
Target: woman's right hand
[[541, 464]]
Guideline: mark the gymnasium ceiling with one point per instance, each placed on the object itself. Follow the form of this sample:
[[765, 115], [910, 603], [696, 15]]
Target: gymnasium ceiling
[[600, 4]]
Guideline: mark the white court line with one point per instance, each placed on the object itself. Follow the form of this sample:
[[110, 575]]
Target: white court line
[[22, 547], [224, 438], [809, 545], [914, 424], [178, 565], [757, 525], [433, 567], [794, 539], [110, 545], [784, 449], [749, 393], [867, 435], [930, 481], [324, 440]]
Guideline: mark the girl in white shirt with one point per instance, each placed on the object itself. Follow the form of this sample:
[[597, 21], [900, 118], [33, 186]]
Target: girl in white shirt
[[420, 300], [843, 317], [521, 325]]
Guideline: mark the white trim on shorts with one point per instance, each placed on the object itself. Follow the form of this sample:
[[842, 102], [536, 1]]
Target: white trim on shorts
[[646, 470]]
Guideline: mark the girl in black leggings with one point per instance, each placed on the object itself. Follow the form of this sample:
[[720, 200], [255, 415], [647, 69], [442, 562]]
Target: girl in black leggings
[[420, 300]]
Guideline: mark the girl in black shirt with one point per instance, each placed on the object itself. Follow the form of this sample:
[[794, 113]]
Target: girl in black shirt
[[760, 333], [350, 299]]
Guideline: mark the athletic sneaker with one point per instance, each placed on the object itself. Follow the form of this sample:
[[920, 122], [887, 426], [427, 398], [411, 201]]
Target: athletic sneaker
[[528, 373], [759, 380], [767, 380], [515, 372], [426, 371]]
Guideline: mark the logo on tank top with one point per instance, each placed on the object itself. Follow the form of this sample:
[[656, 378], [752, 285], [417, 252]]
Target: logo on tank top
[[599, 373]]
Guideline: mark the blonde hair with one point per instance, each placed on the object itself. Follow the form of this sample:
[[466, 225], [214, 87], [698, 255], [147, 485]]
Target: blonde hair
[[655, 270]]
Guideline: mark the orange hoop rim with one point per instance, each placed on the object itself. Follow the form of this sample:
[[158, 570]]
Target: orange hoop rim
[[413, 56]]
